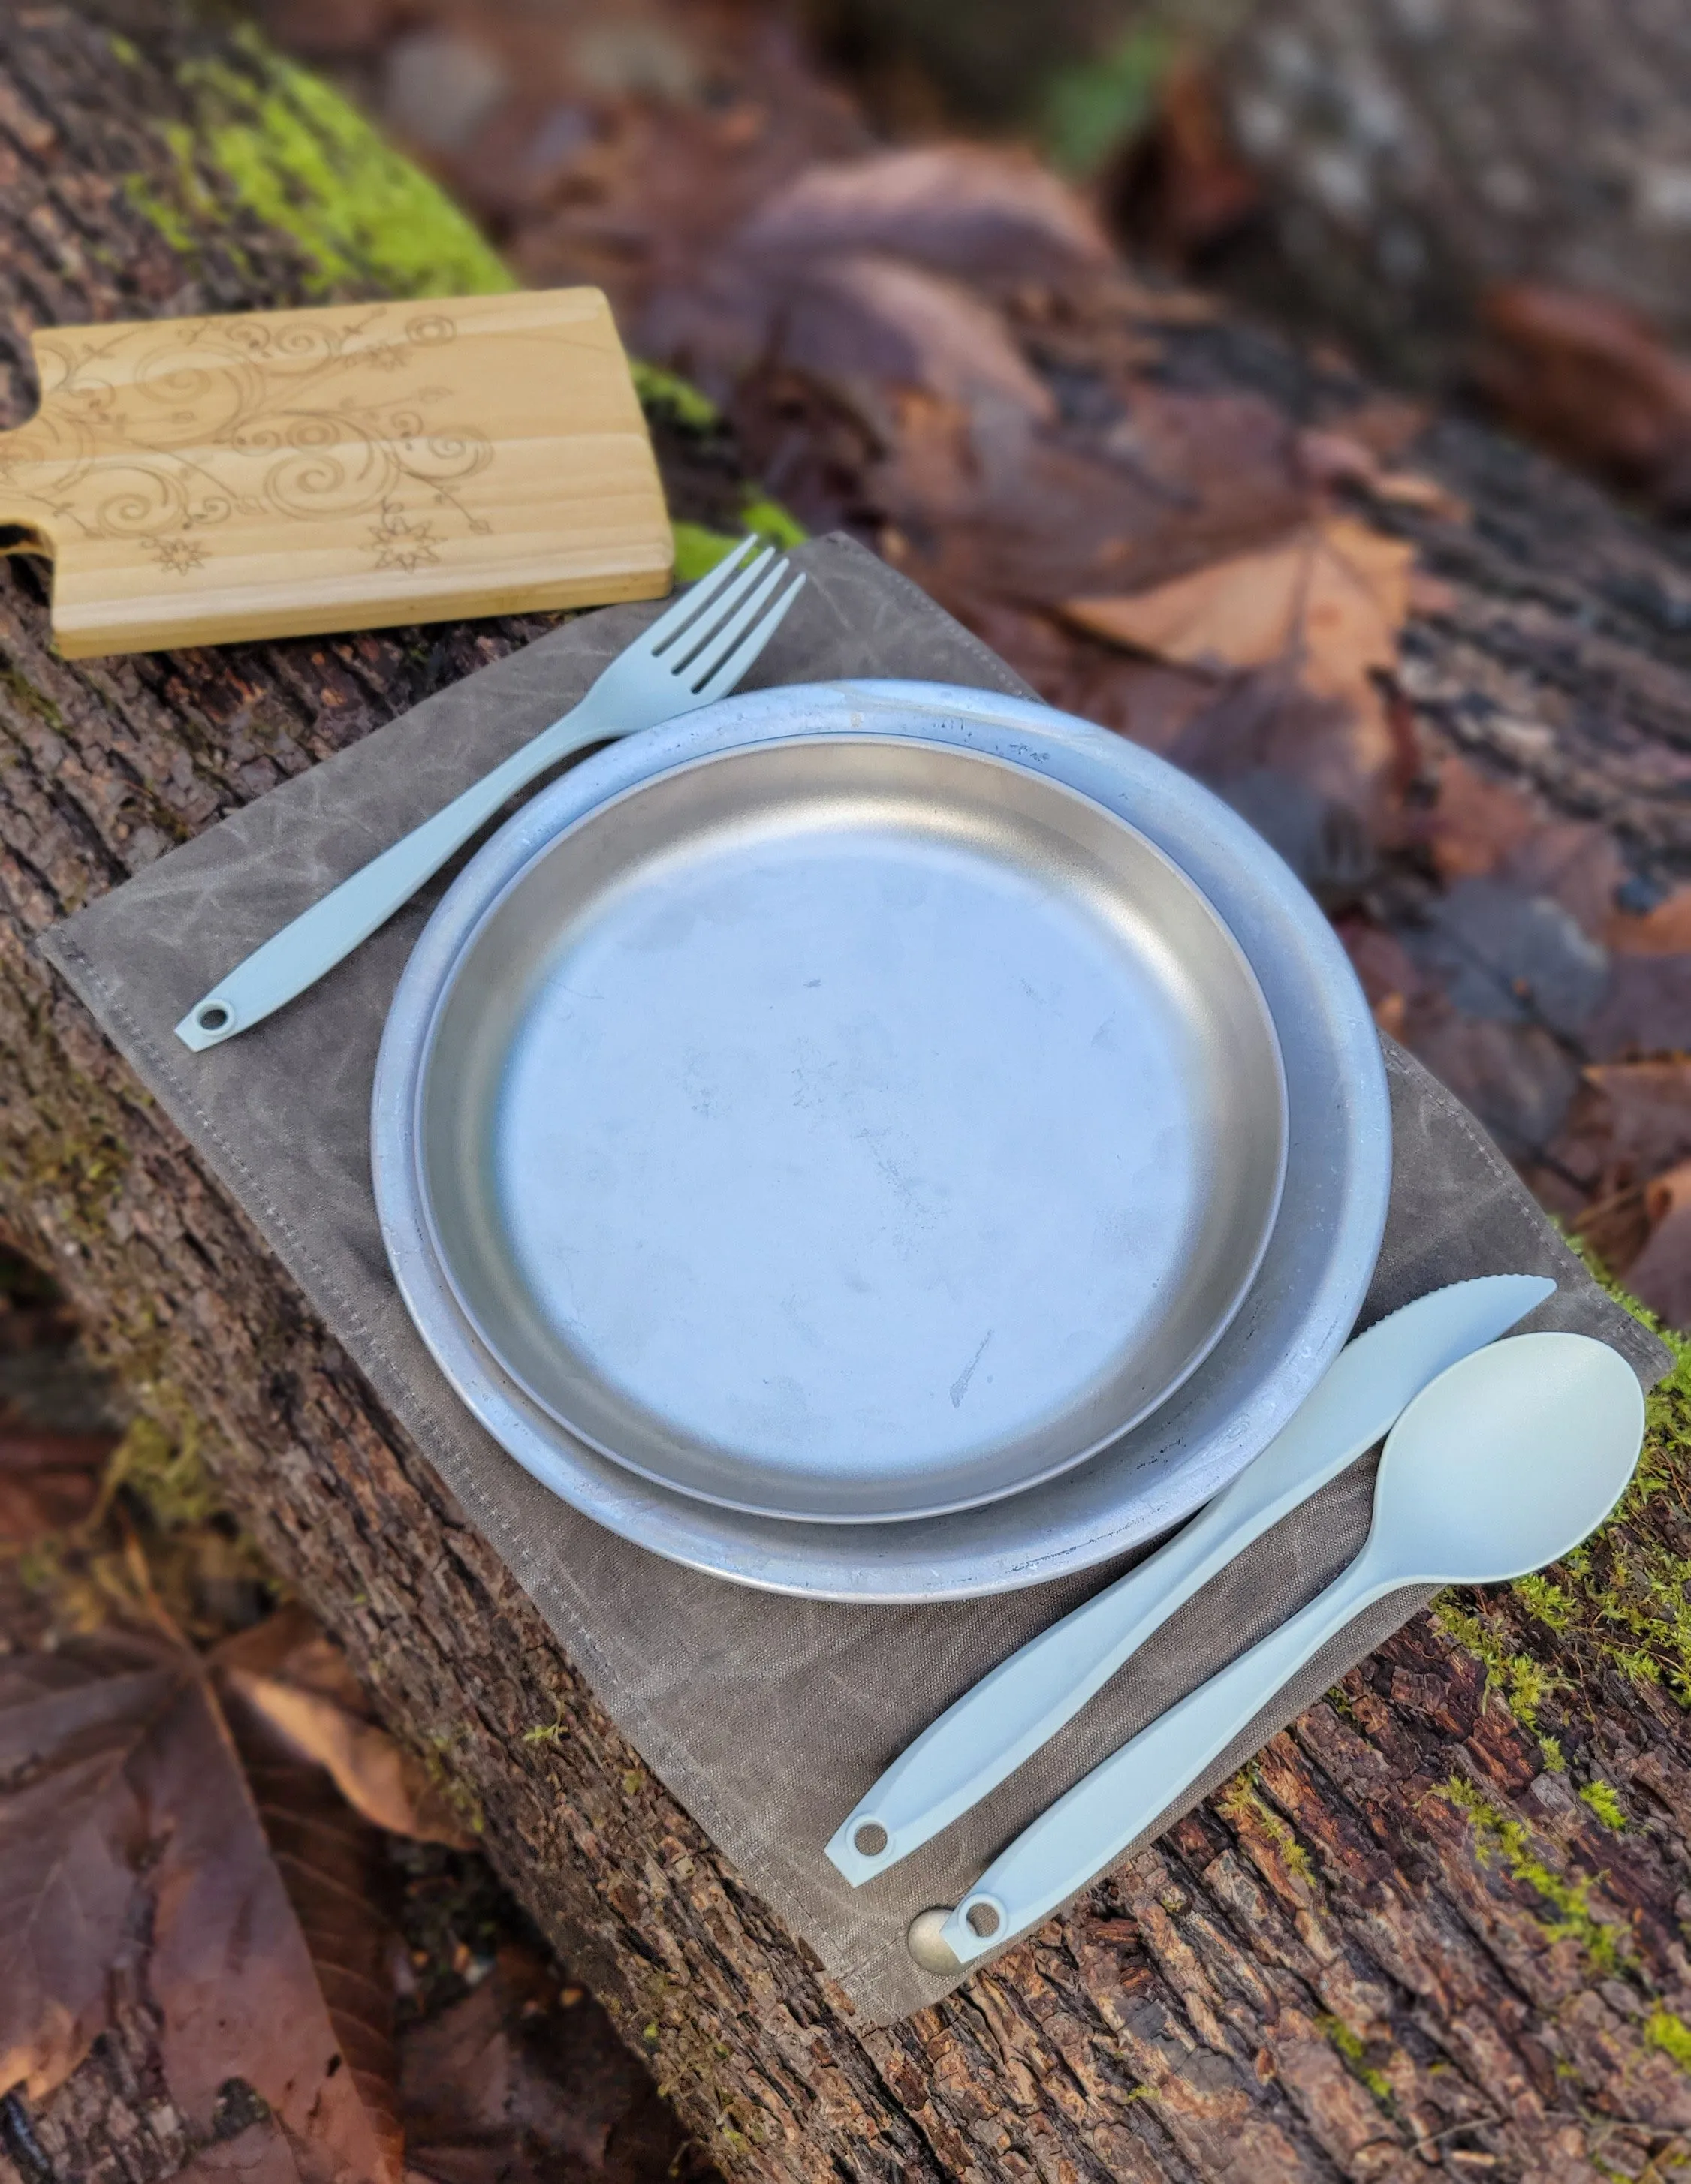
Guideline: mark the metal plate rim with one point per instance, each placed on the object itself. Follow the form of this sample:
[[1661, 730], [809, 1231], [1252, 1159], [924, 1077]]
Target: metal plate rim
[[1136, 1489]]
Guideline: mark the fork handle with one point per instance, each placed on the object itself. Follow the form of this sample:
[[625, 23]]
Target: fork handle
[[321, 937]]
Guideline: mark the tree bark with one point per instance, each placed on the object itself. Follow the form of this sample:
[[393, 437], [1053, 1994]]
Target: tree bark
[[1403, 1940], [1417, 154]]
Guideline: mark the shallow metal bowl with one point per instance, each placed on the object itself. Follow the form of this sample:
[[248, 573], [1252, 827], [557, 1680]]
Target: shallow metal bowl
[[850, 1129], [1314, 1273]]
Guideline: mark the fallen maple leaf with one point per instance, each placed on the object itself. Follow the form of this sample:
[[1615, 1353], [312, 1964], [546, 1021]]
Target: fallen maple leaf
[[332, 1864], [48, 1480], [131, 1850], [1329, 599], [295, 1680], [1301, 739]]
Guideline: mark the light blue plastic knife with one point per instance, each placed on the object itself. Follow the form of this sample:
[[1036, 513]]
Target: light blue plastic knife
[[1010, 1713]]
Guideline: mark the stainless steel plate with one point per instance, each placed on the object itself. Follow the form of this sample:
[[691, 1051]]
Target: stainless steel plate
[[849, 1128], [1314, 1273]]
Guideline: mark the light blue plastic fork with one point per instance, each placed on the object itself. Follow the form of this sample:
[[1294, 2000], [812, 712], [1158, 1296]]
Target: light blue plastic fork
[[693, 654]]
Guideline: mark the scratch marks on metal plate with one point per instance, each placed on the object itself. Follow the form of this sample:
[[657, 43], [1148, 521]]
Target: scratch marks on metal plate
[[960, 1385]]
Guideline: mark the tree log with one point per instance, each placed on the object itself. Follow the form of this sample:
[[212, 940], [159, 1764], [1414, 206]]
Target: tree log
[[1416, 155], [1438, 1925]]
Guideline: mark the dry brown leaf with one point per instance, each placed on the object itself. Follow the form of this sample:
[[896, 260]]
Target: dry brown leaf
[[1307, 771], [1591, 380], [374, 1773], [1414, 489], [863, 324], [1630, 1121], [1645, 1010], [1430, 594], [1333, 459], [1389, 974], [1183, 187], [1387, 424], [260, 2154], [1575, 863], [130, 1846], [854, 273], [288, 1674], [333, 1867], [512, 2086], [1301, 739], [991, 507], [1474, 821], [1329, 599], [48, 1480], [1664, 931], [981, 214], [1662, 1272]]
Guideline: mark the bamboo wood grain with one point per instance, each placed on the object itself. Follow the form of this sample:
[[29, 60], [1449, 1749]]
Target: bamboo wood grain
[[198, 481]]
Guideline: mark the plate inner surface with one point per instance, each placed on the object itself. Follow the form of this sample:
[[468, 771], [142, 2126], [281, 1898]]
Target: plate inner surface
[[851, 1129]]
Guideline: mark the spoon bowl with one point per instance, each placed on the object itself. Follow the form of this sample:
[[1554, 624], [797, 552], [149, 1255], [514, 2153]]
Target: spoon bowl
[[1506, 1462]]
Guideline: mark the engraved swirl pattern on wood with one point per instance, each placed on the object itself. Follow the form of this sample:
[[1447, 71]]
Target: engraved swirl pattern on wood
[[349, 466], [151, 409]]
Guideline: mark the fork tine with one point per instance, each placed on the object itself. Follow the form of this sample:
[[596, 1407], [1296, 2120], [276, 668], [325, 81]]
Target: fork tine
[[724, 584], [727, 673], [698, 652]]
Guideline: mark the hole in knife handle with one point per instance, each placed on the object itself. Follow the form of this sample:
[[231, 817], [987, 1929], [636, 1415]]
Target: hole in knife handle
[[983, 1920], [212, 1016], [870, 1839]]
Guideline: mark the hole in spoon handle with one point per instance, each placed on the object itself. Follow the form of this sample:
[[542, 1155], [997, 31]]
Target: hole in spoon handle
[[208, 1023]]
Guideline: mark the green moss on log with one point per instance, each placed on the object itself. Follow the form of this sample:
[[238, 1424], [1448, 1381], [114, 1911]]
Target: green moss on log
[[281, 144], [1500, 1838], [698, 548]]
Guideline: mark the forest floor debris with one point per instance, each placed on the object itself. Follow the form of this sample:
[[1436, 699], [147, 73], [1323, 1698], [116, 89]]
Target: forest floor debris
[[208, 1840]]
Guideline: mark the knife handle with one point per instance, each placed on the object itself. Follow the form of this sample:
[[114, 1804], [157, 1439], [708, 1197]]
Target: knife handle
[[1089, 1827], [1004, 1718], [988, 1733]]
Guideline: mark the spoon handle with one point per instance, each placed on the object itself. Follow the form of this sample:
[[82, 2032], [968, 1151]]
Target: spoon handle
[[1093, 1823], [986, 1734]]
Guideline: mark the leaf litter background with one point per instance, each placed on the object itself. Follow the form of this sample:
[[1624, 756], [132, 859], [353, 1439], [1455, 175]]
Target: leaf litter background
[[225, 1891], [229, 1904]]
